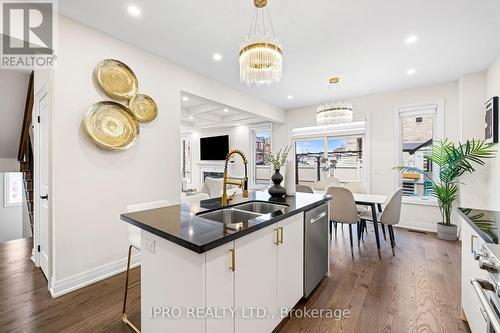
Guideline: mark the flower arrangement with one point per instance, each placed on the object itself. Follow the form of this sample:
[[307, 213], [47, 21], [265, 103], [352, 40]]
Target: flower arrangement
[[279, 159]]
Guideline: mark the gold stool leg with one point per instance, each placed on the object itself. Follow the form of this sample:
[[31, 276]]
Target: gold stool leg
[[124, 316]]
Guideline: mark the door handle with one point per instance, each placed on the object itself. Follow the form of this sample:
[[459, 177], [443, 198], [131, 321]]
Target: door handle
[[472, 237], [319, 217], [281, 235], [277, 236], [44, 197], [233, 260], [489, 311]]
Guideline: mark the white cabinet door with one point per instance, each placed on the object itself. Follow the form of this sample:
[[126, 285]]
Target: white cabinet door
[[290, 264], [255, 281], [219, 281], [470, 269]]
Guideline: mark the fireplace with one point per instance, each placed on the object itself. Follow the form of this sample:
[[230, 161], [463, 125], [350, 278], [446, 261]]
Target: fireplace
[[212, 174]]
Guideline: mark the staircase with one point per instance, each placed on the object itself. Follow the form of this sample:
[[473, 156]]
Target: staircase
[[26, 167], [25, 152]]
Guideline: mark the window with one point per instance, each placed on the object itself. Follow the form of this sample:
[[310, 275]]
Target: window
[[186, 161], [262, 149], [345, 157], [13, 186], [418, 129], [308, 158]]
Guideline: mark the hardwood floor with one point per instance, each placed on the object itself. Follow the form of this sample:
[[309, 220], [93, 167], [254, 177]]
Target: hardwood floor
[[416, 291], [26, 305]]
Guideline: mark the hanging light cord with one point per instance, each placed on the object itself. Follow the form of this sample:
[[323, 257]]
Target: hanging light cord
[[257, 19]]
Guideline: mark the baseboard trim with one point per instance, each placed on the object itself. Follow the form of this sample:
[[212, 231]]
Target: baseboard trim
[[75, 282], [418, 226]]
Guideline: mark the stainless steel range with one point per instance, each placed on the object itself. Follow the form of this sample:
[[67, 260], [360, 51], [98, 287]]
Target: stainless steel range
[[488, 291]]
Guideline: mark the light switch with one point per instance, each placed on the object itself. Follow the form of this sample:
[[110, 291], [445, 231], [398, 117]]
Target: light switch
[[150, 245]]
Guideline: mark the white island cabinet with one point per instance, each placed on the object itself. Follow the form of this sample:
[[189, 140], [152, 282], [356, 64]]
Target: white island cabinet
[[237, 287]]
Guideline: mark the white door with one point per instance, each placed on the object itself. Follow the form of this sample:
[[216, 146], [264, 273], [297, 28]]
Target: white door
[[255, 281], [43, 182], [219, 281], [290, 264]]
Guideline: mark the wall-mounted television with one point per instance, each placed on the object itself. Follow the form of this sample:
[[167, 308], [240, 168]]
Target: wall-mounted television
[[214, 148]]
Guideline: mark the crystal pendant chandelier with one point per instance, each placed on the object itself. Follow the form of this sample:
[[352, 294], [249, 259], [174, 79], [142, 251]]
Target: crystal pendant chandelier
[[337, 112], [261, 57]]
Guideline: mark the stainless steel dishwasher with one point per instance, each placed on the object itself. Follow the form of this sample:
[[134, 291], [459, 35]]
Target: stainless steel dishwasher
[[315, 247]]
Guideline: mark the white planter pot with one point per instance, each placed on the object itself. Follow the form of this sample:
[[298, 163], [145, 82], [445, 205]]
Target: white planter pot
[[447, 232]]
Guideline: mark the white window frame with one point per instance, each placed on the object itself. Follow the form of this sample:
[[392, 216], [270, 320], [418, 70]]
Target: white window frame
[[189, 181], [7, 182], [438, 133], [295, 135], [253, 129]]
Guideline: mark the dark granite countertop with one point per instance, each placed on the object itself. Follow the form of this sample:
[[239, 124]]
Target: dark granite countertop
[[181, 225], [484, 222]]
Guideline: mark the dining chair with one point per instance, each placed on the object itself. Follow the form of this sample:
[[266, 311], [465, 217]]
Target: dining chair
[[303, 189], [390, 216], [355, 187], [343, 210], [134, 235], [324, 184]]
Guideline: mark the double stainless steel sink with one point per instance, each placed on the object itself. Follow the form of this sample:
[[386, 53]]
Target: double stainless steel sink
[[234, 217]]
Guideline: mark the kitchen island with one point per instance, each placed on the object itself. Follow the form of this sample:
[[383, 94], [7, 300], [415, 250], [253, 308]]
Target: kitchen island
[[200, 273]]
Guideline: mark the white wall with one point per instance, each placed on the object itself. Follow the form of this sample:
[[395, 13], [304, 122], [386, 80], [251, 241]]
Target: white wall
[[493, 89], [13, 88], [91, 186], [381, 110], [472, 96], [239, 137], [11, 223], [9, 165]]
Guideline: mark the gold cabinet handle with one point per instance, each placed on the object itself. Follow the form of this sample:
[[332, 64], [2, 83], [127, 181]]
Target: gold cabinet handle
[[233, 260], [277, 236], [281, 234], [472, 237]]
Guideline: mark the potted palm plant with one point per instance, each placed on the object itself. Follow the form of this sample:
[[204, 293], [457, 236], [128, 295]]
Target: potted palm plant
[[453, 160]]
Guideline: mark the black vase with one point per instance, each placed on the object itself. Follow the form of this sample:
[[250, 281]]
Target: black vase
[[277, 191]]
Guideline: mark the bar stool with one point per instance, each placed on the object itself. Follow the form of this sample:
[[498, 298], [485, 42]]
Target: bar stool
[[134, 235]]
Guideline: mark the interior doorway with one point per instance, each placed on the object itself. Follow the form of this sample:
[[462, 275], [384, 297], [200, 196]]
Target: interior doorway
[[42, 209]]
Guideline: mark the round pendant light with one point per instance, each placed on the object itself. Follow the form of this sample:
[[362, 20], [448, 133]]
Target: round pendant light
[[336, 112], [261, 57]]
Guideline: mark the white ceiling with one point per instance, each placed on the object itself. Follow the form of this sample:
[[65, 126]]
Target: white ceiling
[[362, 40], [199, 113], [13, 87]]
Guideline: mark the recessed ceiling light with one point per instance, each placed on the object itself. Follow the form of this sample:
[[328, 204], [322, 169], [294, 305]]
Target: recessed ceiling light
[[411, 71], [217, 57], [226, 110], [289, 96], [411, 39], [191, 118], [134, 10], [185, 98]]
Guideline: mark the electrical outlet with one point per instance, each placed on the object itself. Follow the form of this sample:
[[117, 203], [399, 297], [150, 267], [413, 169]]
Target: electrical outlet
[[150, 245]]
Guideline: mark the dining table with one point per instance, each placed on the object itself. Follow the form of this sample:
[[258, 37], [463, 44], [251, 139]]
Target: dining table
[[374, 201]]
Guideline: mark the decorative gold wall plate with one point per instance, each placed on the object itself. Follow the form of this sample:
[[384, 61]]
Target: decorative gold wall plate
[[143, 107], [116, 79], [111, 125]]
